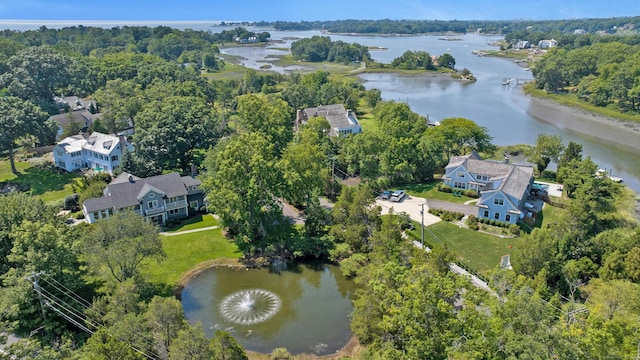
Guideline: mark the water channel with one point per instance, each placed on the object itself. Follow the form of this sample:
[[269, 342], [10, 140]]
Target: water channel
[[503, 110], [305, 309]]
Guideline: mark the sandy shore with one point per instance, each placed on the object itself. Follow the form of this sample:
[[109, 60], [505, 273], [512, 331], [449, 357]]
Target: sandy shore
[[618, 132]]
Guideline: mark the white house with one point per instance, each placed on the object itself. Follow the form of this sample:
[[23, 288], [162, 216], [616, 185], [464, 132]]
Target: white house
[[99, 151], [343, 122]]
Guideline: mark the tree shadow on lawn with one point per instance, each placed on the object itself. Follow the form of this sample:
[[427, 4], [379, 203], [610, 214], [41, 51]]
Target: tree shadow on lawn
[[42, 180]]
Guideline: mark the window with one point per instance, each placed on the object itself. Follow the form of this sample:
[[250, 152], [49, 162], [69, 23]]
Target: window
[[174, 211], [485, 214], [459, 185], [152, 204], [507, 218], [193, 204], [114, 158], [61, 163], [151, 195], [497, 216], [460, 174], [498, 201]]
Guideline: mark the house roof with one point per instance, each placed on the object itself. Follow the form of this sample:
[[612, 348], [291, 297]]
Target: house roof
[[97, 142], [336, 115], [124, 192], [512, 179]]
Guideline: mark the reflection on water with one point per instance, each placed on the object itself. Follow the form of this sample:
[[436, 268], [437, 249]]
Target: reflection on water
[[313, 315]]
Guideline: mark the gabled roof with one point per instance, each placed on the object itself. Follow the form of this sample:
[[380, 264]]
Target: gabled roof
[[97, 142], [124, 192], [336, 115]]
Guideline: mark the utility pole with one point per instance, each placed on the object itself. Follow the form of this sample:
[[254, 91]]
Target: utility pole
[[422, 213], [36, 287]]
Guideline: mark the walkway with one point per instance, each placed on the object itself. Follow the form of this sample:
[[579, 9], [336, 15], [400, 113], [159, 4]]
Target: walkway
[[460, 271], [188, 231]]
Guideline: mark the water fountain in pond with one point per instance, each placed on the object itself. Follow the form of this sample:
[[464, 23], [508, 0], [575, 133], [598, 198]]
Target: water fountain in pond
[[251, 306]]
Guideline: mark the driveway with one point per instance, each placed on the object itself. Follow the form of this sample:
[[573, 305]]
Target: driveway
[[449, 206], [411, 205]]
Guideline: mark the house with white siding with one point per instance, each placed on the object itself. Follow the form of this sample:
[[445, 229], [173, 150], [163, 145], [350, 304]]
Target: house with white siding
[[100, 152]]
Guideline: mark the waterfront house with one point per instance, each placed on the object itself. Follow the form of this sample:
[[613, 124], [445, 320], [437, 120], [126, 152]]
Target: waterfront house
[[100, 152], [157, 198], [503, 187], [342, 121]]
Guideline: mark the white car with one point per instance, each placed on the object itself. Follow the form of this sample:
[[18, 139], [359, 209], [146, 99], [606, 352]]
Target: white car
[[397, 196]]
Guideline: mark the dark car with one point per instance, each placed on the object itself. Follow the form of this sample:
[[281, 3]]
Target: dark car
[[385, 195]]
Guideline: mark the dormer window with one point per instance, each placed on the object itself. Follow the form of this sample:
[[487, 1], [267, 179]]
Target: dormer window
[[91, 140], [107, 144]]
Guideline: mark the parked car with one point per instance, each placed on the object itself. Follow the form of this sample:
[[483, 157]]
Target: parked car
[[385, 195], [397, 196]]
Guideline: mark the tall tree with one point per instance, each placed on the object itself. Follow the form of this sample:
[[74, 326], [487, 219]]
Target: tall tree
[[457, 136], [548, 148], [118, 245], [19, 118], [243, 183], [35, 73], [269, 116]]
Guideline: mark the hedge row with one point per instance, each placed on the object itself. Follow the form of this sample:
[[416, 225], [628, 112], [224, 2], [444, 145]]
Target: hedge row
[[447, 215], [448, 189]]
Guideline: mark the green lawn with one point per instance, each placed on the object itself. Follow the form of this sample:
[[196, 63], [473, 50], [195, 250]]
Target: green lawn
[[45, 182], [196, 222], [185, 251], [429, 191], [478, 251]]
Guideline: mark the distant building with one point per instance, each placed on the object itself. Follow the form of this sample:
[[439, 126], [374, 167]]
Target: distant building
[[522, 44], [579, 32], [100, 152], [74, 109], [547, 44], [157, 198], [343, 122]]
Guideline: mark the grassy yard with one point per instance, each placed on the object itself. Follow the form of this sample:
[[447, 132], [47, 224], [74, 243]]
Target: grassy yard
[[185, 251], [196, 222], [46, 183], [476, 250], [429, 191]]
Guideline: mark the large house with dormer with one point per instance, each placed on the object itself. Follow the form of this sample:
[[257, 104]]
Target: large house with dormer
[[342, 121], [503, 187], [100, 152], [157, 198]]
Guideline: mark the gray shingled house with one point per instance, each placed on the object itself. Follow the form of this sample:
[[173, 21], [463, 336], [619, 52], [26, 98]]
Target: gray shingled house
[[343, 122], [503, 187], [157, 198]]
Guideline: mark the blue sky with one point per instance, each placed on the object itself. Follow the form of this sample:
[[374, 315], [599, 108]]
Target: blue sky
[[296, 10]]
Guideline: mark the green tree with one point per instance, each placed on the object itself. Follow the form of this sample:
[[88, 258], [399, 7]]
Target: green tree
[[225, 347], [243, 184], [447, 61], [35, 73], [191, 343], [165, 319], [267, 115], [19, 118], [304, 172], [118, 245], [457, 136], [547, 148]]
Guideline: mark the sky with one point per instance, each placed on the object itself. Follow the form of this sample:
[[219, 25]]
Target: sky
[[309, 10]]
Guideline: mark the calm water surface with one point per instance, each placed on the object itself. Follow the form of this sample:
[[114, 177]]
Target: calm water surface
[[316, 302], [503, 110]]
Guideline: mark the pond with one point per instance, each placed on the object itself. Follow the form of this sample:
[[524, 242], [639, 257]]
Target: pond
[[305, 309]]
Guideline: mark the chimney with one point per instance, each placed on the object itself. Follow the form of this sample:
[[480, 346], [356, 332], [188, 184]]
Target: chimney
[[194, 171], [299, 116], [506, 160]]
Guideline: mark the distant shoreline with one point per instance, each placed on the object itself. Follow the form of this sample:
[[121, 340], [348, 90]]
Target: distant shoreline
[[621, 133]]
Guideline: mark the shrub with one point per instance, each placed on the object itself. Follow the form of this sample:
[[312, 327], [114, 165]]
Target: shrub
[[445, 188], [471, 193], [71, 202], [514, 229], [79, 215], [548, 174], [492, 222], [472, 223]]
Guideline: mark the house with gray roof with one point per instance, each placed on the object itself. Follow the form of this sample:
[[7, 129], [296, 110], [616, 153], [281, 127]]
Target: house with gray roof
[[100, 152], [343, 121], [503, 187], [157, 198]]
